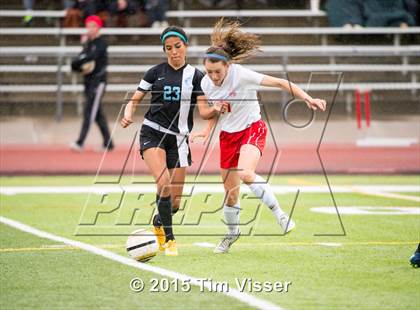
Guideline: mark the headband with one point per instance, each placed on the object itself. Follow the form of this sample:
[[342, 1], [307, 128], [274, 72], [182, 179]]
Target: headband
[[173, 33], [95, 19], [216, 56]]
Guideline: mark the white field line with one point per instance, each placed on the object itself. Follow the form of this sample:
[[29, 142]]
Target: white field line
[[329, 244], [204, 245], [199, 188], [242, 297]]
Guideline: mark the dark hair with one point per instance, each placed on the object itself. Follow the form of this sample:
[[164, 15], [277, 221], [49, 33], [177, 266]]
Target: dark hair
[[230, 42], [174, 31]]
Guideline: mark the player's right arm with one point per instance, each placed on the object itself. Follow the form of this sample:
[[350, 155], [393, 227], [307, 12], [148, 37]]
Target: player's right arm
[[130, 108], [208, 111], [145, 86]]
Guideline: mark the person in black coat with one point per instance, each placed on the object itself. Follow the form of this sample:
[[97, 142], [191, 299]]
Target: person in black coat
[[92, 63]]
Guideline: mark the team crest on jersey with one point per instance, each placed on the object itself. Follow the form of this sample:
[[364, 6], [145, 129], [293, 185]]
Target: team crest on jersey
[[232, 93]]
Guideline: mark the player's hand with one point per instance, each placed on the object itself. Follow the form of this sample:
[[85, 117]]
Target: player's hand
[[222, 106], [315, 104], [205, 135], [125, 122], [127, 119]]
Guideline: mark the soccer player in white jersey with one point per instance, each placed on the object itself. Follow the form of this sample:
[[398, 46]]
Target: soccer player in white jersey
[[243, 132]]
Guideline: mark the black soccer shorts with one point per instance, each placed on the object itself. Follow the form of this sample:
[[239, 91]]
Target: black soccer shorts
[[178, 153]]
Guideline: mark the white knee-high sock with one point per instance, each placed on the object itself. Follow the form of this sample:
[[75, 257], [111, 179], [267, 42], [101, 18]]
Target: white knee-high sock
[[232, 218], [262, 190]]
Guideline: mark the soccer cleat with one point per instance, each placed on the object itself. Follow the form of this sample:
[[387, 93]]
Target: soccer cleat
[[171, 248], [286, 223], [226, 243], [109, 147], [415, 260], [76, 147], [160, 235]]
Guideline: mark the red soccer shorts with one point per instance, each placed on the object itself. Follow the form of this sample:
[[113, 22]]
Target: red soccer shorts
[[230, 143]]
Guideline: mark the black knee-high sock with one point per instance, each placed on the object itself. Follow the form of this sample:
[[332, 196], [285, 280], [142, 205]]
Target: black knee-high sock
[[165, 212], [157, 222]]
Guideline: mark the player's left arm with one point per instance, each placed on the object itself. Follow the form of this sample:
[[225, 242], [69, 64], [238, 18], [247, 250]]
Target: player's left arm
[[292, 88], [205, 133]]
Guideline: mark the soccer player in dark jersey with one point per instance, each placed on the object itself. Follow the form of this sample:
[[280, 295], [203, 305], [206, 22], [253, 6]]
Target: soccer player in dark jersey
[[92, 63], [175, 89]]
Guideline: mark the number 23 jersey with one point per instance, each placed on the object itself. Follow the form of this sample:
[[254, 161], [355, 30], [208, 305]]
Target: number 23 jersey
[[174, 95]]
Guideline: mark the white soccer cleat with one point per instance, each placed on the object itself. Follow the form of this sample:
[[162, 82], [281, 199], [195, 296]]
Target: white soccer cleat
[[76, 147], [286, 223], [226, 243]]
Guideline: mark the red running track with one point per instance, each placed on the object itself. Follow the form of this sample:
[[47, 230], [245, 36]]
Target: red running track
[[58, 160]]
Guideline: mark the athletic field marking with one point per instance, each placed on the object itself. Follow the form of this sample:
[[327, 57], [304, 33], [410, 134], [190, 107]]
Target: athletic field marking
[[360, 189], [37, 249], [204, 244], [243, 297], [329, 244], [368, 210], [356, 243], [202, 188], [212, 245], [55, 247], [387, 195], [297, 181]]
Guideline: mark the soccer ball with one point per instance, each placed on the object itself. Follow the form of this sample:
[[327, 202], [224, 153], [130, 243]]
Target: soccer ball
[[142, 245]]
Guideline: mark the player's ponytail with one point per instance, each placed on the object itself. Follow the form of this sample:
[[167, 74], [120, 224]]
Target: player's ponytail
[[229, 41]]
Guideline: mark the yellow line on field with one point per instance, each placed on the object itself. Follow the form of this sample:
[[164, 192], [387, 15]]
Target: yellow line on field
[[35, 249], [298, 181], [239, 244], [54, 248], [387, 195]]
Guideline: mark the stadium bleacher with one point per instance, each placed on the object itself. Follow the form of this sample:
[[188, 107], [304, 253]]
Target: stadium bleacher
[[348, 177], [386, 61]]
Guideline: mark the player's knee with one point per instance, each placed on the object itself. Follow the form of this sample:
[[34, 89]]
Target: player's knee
[[164, 186], [246, 176]]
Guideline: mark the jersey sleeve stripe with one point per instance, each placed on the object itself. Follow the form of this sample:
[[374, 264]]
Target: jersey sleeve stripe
[[144, 86]]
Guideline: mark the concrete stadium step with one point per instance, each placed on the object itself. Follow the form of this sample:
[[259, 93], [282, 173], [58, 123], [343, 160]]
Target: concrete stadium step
[[251, 21], [119, 60], [391, 101], [298, 77], [267, 39], [173, 5]]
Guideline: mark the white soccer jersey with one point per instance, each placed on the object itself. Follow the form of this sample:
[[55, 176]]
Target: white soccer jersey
[[239, 88]]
